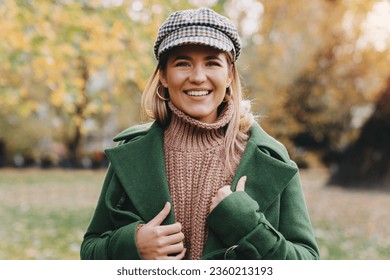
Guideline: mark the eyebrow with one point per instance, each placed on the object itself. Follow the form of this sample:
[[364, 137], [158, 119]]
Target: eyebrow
[[181, 57], [185, 57], [212, 57]]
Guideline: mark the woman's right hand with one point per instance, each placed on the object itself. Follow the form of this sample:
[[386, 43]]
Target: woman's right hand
[[161, 242]]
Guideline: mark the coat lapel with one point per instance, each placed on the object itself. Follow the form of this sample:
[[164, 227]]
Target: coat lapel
[[267, 177], [140, 167]]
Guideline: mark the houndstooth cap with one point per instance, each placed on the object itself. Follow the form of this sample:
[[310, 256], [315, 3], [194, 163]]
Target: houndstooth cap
[[202, 26]]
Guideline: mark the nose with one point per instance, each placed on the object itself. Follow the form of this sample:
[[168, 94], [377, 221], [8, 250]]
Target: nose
[[197, 75]]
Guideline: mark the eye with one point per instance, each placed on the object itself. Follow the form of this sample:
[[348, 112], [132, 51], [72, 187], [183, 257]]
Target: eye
[[182, 64], [213, 63]]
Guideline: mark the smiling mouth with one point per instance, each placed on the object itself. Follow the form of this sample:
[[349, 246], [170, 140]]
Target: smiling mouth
[[197, 92]]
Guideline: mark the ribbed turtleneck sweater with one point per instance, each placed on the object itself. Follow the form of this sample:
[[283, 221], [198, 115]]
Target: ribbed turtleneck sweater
[[194, 159]]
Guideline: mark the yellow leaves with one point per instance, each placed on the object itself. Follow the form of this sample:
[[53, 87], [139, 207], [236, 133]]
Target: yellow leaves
[[92, 23], [17, 41], [9, 7], [18, 101], [69, 108], [97, 61], [78, 120], [57, 96], [78, 82], [91, 109], [24, 110], [66, 51], [39, 65], [8, 99], [28, 106], [24, 93], [34, 105], [107, 108], [50, 37], [118, 29]]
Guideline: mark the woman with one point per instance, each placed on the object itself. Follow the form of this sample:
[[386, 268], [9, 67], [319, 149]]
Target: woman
[[203, 181]]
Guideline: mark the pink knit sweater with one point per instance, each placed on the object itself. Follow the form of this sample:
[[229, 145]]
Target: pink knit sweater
[[194, 153]]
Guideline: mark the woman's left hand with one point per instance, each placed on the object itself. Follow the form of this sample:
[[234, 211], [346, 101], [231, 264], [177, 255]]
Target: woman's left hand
[[225, 191]]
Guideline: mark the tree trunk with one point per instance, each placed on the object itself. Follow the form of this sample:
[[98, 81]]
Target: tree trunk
[[367, 162], [73, 147], [79, 116]]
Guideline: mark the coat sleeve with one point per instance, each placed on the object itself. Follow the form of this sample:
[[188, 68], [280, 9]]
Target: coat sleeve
[[248, 228], [104, 239]]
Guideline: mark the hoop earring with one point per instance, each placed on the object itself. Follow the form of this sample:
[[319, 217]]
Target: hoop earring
[[158, 94], [228, 96]]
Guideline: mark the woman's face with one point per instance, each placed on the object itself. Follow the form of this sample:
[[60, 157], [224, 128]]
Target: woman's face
[[197, 77]]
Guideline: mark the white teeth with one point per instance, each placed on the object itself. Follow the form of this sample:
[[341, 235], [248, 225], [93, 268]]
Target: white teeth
[[197, 93]]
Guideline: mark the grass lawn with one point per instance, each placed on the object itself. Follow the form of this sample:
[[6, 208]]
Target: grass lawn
[[44, 214], [348, 224]]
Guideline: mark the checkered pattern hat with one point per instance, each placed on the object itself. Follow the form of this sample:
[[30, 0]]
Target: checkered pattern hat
[[202, 26]]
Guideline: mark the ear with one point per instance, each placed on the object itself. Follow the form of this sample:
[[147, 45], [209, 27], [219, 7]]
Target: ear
[[163, 79]]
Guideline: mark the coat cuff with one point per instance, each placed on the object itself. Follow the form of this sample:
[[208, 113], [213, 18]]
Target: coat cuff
[[123, 245], [234, 217]]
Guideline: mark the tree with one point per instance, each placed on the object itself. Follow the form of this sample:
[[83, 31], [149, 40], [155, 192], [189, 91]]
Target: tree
[[365, 163], [310, 68], [72, 63], [338, 104]]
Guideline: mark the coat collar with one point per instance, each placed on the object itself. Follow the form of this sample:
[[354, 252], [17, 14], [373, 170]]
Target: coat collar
[[267, 166], [140, 166]]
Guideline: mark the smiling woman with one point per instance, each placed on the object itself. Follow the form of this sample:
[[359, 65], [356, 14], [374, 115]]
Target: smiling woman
[[196, 78], [203, 181]]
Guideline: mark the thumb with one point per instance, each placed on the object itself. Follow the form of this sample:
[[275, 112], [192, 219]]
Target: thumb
[[160, 217], [241, 184]]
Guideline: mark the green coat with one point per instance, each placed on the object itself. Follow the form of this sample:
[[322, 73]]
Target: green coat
[[267, 221]]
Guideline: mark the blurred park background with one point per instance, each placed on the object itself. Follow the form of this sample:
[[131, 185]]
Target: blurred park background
[[71, 77]]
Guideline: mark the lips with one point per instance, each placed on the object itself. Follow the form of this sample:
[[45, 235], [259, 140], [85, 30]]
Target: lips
[[197, 92]]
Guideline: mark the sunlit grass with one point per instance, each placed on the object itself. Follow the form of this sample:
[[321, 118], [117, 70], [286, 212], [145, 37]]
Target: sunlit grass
[[44, 213], [336, 244], [38, 234], [349, 224]]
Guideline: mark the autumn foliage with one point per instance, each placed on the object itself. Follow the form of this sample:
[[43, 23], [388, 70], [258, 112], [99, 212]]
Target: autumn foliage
[[72, 72]]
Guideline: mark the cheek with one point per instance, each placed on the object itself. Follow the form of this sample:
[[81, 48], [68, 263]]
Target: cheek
[[222, 82], [222, 78], [175, 80]]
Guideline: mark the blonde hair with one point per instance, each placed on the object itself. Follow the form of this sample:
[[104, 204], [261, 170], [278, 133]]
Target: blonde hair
[[237, 130]]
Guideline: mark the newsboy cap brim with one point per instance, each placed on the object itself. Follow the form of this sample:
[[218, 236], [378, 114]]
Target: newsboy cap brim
[[202, 26], [197, 35]]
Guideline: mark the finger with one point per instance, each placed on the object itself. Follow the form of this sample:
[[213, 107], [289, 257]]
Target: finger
[[174, 238], [212, 206], [225, 190], [219, 196], [181, 255], [170, 229], [177, 257], [241, 184], [173, 249], [160, 217]]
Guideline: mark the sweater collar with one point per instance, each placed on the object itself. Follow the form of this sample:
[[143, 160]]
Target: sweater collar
[[223, 118], [187, 133]]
